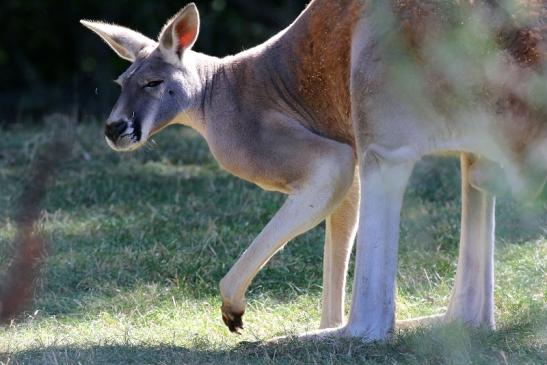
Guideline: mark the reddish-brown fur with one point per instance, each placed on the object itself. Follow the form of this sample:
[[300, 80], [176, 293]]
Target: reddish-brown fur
[[322, 51], [304, 73], [310, 64], [318, 52], [521, 33]]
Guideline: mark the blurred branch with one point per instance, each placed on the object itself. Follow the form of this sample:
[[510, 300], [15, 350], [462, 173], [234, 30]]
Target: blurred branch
[[29, 246]]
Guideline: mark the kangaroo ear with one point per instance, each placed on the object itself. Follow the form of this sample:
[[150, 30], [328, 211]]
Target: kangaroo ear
[[180, 32], [125, 42]]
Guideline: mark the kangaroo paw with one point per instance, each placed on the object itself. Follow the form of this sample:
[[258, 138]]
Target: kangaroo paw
[[233, 320]]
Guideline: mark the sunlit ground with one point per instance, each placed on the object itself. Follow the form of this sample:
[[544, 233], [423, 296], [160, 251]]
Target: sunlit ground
[[138, 243]]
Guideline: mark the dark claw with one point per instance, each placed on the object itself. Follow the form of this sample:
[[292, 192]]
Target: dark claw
[[233, 320]]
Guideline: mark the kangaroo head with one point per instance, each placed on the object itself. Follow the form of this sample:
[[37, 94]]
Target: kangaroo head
[[161, 83]]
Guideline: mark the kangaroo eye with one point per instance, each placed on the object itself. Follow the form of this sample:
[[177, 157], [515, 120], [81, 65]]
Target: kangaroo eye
[[153, 83]]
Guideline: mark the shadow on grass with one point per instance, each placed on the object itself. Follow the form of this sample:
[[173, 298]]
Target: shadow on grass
[[518, 342]]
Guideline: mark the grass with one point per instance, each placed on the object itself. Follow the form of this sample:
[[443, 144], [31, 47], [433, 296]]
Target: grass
[[138, 243]]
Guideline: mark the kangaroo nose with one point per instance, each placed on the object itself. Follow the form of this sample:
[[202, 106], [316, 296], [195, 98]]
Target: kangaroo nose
[[115, 129]]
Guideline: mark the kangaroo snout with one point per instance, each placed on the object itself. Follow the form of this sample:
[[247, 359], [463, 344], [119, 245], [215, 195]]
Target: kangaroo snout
[[113, 130], [123, 134]]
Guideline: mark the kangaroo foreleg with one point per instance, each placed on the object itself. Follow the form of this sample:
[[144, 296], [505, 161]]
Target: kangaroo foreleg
[[315, 198]]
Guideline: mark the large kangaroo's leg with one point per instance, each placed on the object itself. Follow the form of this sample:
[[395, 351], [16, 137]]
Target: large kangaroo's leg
[[340, 233], [472, 299], [313, 199], [372, 311], [384, 168]]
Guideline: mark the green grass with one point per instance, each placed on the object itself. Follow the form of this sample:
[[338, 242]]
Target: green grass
[[137, 244]]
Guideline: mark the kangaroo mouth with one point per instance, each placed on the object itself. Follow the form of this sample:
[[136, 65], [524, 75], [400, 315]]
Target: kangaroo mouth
[[129, 140], [137, 130]]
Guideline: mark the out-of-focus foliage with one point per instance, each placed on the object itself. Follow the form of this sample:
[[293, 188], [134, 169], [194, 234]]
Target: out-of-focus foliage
[[49, 62]]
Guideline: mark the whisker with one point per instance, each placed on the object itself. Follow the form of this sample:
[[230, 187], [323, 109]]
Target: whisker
[[150, 145]]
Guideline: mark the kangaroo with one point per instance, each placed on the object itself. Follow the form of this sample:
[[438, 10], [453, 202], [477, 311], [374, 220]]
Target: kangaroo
[[334, 111], [277, 115]]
